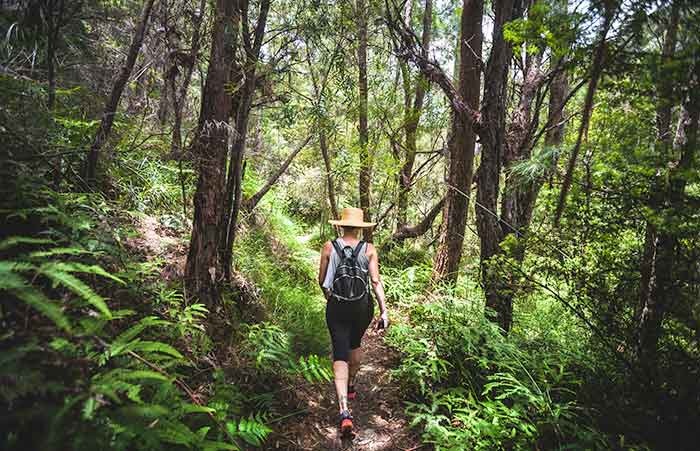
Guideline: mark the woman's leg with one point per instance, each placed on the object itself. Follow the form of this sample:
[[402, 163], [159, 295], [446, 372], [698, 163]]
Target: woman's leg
[[354, 364], [340, 371], [356, 333], [340, 339]]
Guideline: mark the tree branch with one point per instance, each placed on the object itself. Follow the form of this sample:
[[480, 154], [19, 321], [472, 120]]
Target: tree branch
[[252, 201]]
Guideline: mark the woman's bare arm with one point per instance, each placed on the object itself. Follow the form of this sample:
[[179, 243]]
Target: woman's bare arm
[[377, 286], [323, 267]]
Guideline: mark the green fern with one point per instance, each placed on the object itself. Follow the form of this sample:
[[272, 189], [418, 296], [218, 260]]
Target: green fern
[[252, 430], [313, 368]]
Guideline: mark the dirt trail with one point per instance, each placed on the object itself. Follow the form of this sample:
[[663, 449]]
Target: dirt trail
[[380, 423], [378, 410], [312, 422]]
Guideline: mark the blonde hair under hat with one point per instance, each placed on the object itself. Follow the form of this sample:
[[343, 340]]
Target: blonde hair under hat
[[352, 217]]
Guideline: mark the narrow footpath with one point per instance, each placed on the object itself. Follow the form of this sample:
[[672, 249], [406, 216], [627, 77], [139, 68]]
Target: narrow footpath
[[312, 422], [380, 423], [378, 411]]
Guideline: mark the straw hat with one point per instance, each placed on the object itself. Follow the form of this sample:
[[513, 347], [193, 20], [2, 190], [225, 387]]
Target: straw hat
[[352, 217]]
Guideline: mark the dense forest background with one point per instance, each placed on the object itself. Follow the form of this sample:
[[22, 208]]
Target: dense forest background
[[169, 167]]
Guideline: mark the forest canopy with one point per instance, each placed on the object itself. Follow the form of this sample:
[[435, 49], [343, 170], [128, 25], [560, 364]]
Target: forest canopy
[[169, 167]]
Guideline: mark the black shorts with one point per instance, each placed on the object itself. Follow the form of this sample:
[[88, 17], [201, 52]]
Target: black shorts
[[347, 323]]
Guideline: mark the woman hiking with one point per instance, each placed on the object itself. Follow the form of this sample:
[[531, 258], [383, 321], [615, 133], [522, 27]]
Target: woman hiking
[[348, 265]]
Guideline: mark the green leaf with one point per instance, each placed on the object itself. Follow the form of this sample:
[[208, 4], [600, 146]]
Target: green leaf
[[42, 304], [76, 286], [156, 346], [13, 241]]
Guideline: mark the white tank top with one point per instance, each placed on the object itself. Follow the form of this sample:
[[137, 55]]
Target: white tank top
[[335, 259]]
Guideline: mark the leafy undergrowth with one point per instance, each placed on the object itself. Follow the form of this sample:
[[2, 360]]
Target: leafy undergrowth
[[270, 253], [100, 353], [469, 387]]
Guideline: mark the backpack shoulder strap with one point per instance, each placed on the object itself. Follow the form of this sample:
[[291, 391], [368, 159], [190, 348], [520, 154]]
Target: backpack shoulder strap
[[357, 250], [337, 248]]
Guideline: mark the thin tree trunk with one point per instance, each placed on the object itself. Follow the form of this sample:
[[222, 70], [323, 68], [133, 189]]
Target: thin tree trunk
[[412, 116], [113, 102], [663, 145], [180, 98], [365, 178], [461, 147], [658, 261], [663, 290], [325, 152], [243, 102], [493, 142], [518, 147], [54, 19], [202, 270], [596, 71]]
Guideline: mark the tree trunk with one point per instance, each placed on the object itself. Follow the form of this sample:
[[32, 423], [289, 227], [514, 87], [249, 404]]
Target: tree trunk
[[365, 157], [202, 270], [514, 202], [412, 115], [656, 271], [325, 152], [663, 289], [493, 142], [461, 147], [242, 103], [596, 71], [180, 98], [113, 102]]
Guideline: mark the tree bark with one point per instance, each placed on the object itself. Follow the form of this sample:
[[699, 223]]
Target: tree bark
[[662, 286], [365, 178], [202, 273], [113, 102], [54, 18], [241, 109], [461, 147], [515, 206], [493, 142], [412, 114]]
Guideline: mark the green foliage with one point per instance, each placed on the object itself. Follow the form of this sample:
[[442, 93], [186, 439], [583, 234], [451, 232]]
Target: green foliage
[[88, 372], [474, 388], [272, 256], [270, 348]]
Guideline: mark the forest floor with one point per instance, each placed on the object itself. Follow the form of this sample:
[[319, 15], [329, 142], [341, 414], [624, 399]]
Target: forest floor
[[378, 411], [312, 421]]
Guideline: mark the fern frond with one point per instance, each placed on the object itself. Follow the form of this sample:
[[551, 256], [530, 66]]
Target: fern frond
[[176, 433], [61, 251], [137, 328], [43, 305], [71, 267], [156, 346], [210, 445], [75, 285], [13, 241], [313, 369]]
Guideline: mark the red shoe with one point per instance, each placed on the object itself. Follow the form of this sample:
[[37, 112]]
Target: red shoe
[[345, 424], [352, 394]]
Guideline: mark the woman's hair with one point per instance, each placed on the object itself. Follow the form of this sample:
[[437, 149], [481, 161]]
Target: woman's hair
[[356, 230]]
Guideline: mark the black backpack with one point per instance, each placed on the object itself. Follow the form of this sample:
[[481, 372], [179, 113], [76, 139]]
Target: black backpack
[[350, 280]]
